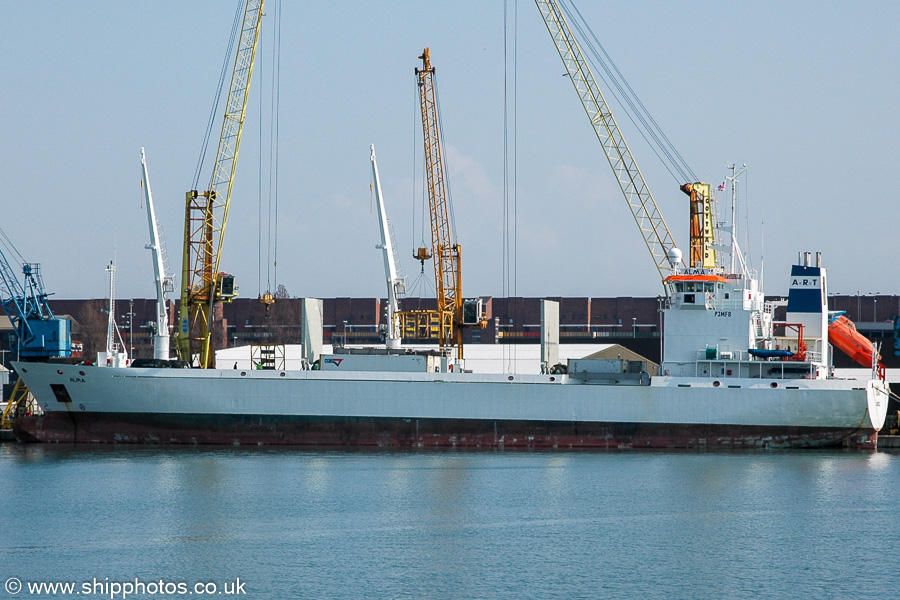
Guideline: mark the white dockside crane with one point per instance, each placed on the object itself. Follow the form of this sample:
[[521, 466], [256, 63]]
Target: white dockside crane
[[396, 285], [159, 328]]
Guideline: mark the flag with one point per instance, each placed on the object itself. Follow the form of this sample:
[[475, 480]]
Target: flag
[[722, 187]]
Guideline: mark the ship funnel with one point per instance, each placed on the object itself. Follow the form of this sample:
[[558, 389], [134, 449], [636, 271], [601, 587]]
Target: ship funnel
[[808, 304]]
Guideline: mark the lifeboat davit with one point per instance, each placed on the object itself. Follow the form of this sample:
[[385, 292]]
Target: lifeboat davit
[[843, 335]]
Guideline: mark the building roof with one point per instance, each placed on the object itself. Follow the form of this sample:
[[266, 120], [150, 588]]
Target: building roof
[[617, 351]]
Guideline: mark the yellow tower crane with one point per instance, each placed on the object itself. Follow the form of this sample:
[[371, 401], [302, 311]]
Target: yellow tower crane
[[643, 207], [452, 312], [206, 213]]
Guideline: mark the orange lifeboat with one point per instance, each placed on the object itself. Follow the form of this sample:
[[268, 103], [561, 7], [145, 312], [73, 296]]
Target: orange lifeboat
[[843, 335]]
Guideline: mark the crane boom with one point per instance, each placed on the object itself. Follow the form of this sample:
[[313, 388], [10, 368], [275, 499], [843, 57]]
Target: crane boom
[[447, 274], [395, 284], [162, 279], [206, 213], [643, 207], [39, 334], [16, 302]]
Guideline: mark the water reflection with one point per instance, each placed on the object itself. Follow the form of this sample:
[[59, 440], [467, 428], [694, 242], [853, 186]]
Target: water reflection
[[301, 523]]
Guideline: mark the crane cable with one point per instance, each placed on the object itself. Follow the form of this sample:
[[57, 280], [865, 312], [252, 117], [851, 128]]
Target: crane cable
[[628, 100], [273, 144], [510, 212], [422, 285], [272, 188], [416, 121], [413, 180], [10, 248], [235, 27], [444, 164]]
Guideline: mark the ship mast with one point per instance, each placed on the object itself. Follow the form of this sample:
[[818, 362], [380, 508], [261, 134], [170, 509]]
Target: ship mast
[[114, 358], [111, 311], [736, 254]]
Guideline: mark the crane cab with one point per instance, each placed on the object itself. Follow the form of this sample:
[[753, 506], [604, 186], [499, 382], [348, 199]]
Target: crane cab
[[226, 291]]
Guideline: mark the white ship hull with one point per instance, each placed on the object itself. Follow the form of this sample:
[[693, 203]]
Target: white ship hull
[[93, 404]]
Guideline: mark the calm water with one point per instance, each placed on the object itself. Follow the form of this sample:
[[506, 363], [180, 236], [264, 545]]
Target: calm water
[[456, 525]]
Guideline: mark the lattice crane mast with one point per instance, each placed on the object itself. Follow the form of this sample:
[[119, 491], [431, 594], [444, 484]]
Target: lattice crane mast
[[206, 213], [643, 207], [453, 313], [445, 251]]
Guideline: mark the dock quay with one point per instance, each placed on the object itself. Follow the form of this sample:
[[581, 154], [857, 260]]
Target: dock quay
[[888, 441]]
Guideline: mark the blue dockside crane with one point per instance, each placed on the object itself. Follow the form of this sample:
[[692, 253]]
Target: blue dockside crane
[[39, 334]]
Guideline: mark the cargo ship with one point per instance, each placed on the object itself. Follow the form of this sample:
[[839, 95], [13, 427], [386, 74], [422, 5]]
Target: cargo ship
[[731, 377]]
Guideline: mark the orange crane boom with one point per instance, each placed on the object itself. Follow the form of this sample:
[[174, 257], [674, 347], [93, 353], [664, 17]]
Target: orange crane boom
[[446, 322], [453, 313], [447, 273]]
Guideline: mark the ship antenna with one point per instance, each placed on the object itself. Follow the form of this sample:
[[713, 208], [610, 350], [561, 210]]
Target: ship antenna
[[734, 181], [762, 257]]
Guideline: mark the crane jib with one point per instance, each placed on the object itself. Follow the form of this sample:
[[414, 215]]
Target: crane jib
[[206, 213], [646, 213]]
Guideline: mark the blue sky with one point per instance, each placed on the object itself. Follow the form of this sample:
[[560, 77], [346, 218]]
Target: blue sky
[[805, 93]]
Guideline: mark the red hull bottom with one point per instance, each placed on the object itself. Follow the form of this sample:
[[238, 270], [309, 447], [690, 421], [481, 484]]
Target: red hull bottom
[[457, 433]]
